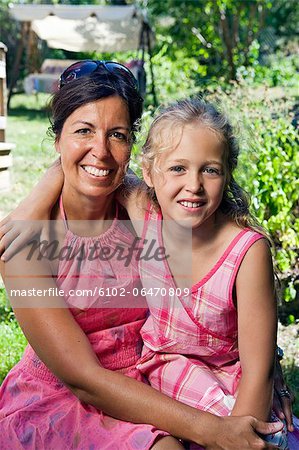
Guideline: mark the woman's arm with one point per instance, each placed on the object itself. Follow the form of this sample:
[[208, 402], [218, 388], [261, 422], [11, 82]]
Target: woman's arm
[[133, 197], [257, 322], [35, 207], [38, 204], [65, 349]]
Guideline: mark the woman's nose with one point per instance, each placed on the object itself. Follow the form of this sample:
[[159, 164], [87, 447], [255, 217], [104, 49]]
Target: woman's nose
[[100, 147]]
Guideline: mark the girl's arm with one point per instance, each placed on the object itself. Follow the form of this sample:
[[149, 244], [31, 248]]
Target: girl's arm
[[65, 349], [257, 322], [35, 207]]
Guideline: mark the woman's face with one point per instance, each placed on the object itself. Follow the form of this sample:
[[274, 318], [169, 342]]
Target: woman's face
[[95, 145]]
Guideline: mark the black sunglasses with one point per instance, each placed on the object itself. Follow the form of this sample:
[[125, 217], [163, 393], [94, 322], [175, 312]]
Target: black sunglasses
[[88, 66]]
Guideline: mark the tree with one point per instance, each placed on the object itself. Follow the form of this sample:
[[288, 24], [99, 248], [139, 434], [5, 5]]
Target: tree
[[219, 33]]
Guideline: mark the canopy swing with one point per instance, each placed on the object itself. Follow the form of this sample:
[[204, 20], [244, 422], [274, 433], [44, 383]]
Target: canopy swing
[[82, 28]]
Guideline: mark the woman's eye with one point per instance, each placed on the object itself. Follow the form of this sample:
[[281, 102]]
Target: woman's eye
[[83, 131], [177, 169], [119, 136]]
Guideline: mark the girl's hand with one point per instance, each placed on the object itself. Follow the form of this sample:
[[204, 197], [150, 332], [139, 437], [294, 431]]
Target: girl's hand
[[240, 433], [282, 404]]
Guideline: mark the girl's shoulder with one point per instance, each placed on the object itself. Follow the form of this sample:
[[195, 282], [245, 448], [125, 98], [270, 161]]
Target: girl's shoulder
[[230, 229], [238, 240]]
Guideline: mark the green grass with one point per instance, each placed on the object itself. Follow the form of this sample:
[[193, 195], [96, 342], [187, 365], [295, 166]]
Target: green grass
[[34, 151], [12, 340]]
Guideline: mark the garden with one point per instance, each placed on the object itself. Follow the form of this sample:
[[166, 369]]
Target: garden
[[244, 57]]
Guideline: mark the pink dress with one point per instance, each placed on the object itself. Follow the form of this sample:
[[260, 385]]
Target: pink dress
[[190, 347], [37, 411]]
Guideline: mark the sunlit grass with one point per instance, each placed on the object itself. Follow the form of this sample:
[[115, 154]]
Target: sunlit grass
[[12, 340], [34, 152]]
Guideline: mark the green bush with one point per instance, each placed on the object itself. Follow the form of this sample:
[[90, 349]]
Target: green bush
[[271, 172], [275, 69], [269, 167]]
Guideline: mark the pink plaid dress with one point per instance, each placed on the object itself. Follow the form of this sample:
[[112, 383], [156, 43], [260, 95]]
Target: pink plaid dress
[[190, 342]]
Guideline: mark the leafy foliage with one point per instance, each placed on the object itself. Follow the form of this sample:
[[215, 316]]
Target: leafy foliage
[[219, 35], [269, 167]]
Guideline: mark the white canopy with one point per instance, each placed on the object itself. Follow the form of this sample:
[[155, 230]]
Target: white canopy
[[84, 28]]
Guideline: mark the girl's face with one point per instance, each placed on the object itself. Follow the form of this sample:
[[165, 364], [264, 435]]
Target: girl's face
[[190, 179], [95, 147]]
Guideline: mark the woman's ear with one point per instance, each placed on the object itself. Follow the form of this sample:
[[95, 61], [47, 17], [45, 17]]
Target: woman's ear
[[57, 146], [146, 176]]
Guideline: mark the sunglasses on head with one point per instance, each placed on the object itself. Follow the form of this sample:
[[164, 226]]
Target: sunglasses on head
[[88, 66]]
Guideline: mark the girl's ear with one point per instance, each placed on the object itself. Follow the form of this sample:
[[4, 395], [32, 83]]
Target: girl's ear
[[146, 176]]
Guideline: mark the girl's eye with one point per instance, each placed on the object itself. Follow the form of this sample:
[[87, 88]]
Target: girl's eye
[[117, 135], [212, 170], [177, 169]]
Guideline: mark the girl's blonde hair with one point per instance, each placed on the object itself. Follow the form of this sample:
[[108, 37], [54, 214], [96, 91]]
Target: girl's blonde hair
[[166, 126]]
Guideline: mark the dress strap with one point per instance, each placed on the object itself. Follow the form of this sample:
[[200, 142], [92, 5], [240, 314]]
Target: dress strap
[[147, 218], [62, 212]]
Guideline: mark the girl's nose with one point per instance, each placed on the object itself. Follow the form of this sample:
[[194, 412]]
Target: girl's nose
[[194, 183]]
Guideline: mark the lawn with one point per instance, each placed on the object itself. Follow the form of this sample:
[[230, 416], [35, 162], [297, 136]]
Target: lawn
[[27, 128]]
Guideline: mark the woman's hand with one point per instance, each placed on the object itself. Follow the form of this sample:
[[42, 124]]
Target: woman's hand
[[240, 433], [283, 398], [22, 224], [17, 230]]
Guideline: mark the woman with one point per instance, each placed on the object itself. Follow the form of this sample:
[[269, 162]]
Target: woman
[[80, 366]]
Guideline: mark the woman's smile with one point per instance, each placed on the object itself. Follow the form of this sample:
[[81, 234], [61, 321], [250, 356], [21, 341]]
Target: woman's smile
[[97, 172]]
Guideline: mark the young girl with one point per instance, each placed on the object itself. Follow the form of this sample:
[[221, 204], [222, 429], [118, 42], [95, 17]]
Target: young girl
[[212, 349]]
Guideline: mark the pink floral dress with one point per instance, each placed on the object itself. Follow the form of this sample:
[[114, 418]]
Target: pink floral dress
[[37, 411]]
